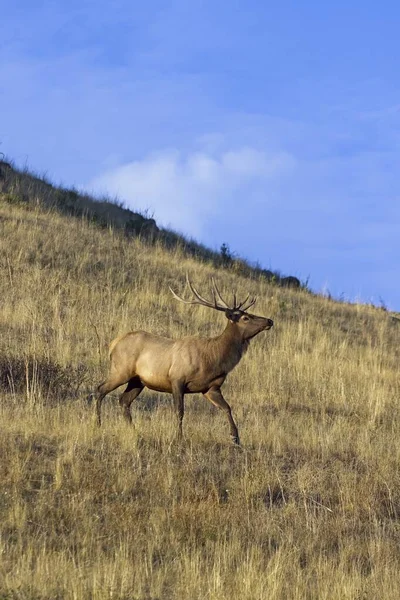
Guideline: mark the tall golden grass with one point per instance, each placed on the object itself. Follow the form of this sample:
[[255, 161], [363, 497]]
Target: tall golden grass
[[309, 509]]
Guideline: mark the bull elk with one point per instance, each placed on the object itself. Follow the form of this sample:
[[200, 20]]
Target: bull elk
[[185, 366]]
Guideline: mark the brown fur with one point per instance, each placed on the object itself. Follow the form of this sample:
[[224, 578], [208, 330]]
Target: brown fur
[[184, 366]]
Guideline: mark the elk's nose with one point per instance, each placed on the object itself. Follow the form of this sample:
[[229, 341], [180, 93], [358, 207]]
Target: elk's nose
[[270, 322]]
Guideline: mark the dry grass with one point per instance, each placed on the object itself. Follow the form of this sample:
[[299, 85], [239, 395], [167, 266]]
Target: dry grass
[[308, 510]]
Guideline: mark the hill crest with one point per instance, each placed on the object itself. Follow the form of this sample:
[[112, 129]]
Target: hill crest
[[23, 187]]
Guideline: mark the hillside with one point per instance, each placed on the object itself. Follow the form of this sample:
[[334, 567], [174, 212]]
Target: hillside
[[308, 509], [23, 187]]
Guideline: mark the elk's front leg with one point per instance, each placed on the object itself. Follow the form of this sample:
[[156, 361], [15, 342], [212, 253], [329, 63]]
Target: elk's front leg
[[178, 395], [215, 396]]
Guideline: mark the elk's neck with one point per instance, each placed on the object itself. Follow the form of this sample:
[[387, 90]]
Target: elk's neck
[[230, 346]]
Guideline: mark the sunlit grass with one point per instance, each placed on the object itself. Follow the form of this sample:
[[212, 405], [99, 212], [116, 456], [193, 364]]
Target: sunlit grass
[[309, 508]]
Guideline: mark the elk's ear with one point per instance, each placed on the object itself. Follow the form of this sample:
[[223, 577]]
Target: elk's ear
[[232, 315]]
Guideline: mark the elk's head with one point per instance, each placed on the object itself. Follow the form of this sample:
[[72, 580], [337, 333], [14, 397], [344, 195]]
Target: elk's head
[[246, 323]]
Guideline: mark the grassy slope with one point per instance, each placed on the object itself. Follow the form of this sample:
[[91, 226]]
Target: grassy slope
[[309, 509], [23, 187]]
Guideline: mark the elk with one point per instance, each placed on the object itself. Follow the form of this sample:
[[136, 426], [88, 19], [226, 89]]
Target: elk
[[184, 366]]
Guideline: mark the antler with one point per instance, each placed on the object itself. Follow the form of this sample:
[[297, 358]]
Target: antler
[[251, 303], [217, 296], [219, 303]]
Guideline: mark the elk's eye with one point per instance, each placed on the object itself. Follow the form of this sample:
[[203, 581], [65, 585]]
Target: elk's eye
[[245, 318]]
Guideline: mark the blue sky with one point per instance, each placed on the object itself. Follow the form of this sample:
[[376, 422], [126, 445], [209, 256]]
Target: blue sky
[[273, 127]]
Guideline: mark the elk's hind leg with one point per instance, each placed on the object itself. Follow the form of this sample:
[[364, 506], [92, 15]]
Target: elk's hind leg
[[105, 388], [215, 396], [130, 394]]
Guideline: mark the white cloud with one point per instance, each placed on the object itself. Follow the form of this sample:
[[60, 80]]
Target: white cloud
[[87, 99], [186, 191]]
